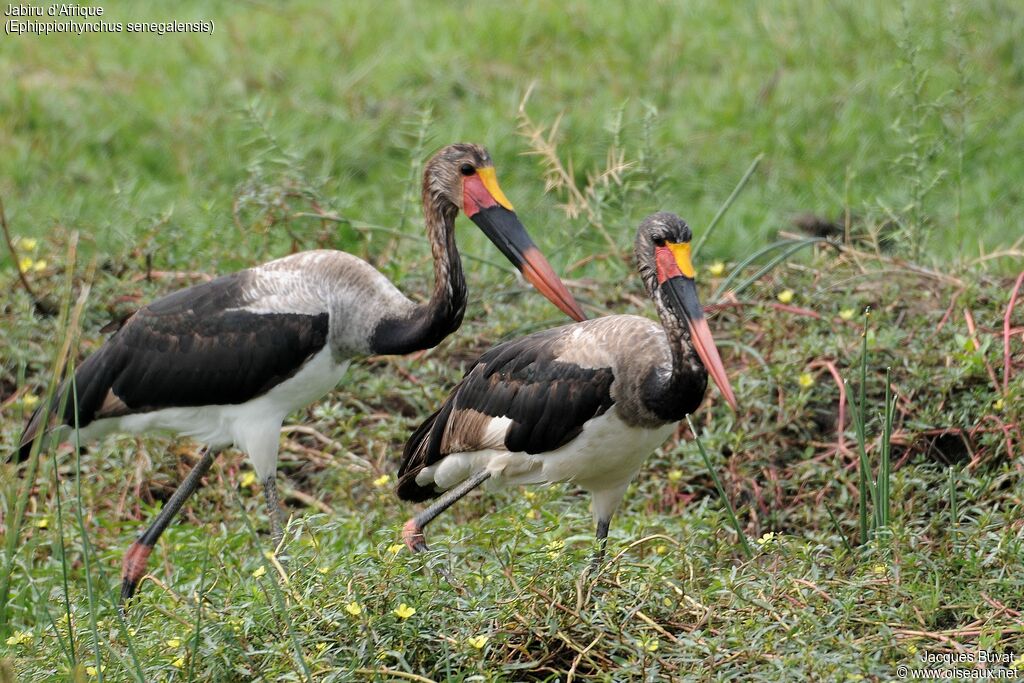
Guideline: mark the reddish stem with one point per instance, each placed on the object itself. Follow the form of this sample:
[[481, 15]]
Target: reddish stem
[[1006, 332]]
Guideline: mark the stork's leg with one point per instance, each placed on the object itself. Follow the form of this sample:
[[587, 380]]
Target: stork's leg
[[273, 511], [134, 566], [412, 532], [602, 543]]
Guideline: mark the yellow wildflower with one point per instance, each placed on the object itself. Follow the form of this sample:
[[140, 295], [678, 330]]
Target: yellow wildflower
[[554, 547], [806, 380], [403, 611], [19, 638], [766, 539], [395, 548], [912, 649], [528, 494], [847, 313], [28, 243], [178, 663], [324, 569], [320, 647], [29, 401], [382, 480], [785, 296], [675, 475], [880, 569], [91, 670], [660, 549], [649, 644], [998, 405], [248, 479], [42, 523], [39, 265], [716, 268], [25, 264], [355, 609], [173, 643], [259, 572], [478, 641]]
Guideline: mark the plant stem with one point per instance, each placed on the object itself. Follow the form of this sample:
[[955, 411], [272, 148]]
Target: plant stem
[[721, 492]]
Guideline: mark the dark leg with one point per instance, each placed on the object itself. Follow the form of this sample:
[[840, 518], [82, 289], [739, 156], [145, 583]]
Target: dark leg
[[602, 542], [273, 511], [412, 532], [134, 566]]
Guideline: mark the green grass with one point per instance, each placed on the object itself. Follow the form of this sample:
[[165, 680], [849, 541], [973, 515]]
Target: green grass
[[146, 143], [298, 126]]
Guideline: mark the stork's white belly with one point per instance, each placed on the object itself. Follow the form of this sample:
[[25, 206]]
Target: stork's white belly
[[253, 426], [603, 459]]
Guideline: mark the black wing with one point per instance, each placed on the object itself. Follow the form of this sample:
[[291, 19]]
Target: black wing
[[190, 348], [548, 402]]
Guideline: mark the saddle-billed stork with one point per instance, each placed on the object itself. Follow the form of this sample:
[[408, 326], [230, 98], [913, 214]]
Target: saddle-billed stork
[[224, 362], [584, 403]]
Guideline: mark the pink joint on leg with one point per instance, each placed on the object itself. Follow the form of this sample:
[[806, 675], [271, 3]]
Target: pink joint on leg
[[135, 560], [412, 534]]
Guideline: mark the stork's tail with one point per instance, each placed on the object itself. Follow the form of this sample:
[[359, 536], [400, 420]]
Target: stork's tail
[[421, 450]]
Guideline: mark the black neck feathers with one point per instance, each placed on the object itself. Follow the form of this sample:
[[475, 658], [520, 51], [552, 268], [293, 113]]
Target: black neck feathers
[[430, 323], [673, 393]]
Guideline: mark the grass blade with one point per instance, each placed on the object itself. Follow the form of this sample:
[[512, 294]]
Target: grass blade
[[797, 245], [87, 556], [63, 557], [768, 267], [954, 512], [866, 488], [744, 544], [884, 474], [728, 202], [282, 606], [68, 321], [199, 612], [839, 529]]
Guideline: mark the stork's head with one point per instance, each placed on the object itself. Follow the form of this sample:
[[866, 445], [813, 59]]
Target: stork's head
[[462, 177], [663, 259]]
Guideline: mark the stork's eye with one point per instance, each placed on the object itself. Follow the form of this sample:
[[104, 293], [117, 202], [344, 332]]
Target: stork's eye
[[659, 241], [467, 169]]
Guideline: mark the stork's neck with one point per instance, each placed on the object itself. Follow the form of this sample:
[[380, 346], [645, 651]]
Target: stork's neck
[[427, 324], [673, 393]]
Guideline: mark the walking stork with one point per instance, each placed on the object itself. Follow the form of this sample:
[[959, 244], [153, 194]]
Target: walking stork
[[224, 362], [584, 403]]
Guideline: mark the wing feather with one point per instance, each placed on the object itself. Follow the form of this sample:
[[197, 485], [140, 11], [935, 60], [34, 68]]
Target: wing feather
[[546, 400], [197, 346]]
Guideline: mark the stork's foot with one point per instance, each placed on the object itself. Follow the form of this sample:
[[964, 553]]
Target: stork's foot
[[412, 534], [133, 569]]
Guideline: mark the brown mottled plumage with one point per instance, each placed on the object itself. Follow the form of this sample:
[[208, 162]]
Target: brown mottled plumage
[[584, 403]]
